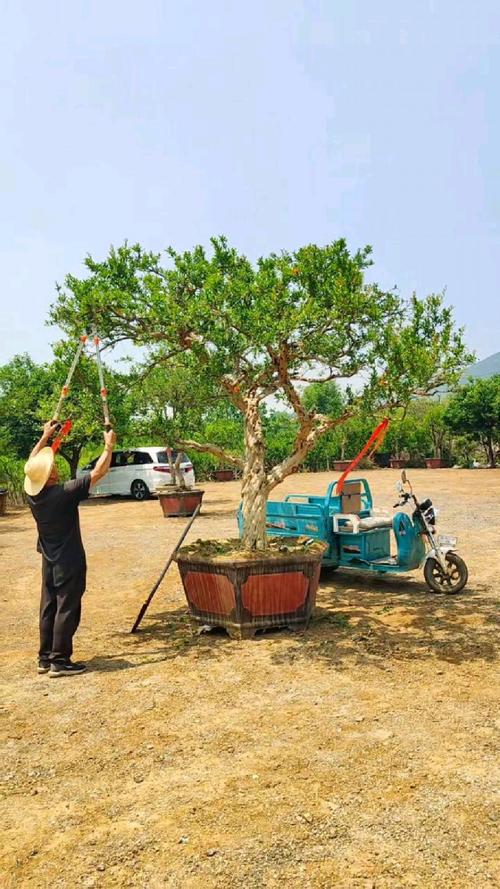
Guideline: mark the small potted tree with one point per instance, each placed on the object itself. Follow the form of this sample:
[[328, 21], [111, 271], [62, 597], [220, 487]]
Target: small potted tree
[[399, 460], [342, 464], [397, 439], [178, 499], [253, 331], [167, 410], [223, 475], [435, 426]]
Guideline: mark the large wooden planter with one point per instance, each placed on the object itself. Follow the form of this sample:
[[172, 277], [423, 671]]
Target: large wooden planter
[[434, 462], [341, 465], [179, 503], [245, 595], [3, 500], [224, 475], [397, 463]]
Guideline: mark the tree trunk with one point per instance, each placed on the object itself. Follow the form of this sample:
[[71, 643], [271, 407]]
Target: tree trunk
[[72, 457], [490, 452], [180, 480], [254, 489], [175, 471], [73, 464]]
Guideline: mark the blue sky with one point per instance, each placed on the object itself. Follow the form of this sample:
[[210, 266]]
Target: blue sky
[[277, 123]]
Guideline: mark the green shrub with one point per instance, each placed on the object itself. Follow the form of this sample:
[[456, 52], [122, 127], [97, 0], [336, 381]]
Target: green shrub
[[12, 478]]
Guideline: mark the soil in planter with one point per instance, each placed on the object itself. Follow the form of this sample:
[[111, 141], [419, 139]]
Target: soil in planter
[[230, 550]]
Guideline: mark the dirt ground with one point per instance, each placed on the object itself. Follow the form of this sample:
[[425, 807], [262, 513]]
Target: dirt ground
[[362, 753]]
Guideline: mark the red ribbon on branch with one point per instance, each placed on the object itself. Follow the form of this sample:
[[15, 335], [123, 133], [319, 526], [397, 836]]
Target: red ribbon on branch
[[374, 442]]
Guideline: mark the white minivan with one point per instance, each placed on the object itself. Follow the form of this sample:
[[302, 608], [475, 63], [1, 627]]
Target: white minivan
[[138, 472]]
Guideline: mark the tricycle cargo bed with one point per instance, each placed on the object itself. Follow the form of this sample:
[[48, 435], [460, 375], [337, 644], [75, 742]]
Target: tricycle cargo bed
[[309, 515]]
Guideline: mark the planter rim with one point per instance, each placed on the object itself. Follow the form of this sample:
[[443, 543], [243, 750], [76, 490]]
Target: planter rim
[[179, 492], [238, 559]]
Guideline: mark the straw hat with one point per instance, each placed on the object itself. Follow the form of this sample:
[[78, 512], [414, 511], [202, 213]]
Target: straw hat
[[37, 471]]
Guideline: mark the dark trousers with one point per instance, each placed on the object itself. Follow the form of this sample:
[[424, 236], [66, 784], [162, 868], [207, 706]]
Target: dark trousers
[[60, 610]]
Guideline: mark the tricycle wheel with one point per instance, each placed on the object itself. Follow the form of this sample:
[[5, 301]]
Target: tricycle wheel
[[452, 581], [326, 569]]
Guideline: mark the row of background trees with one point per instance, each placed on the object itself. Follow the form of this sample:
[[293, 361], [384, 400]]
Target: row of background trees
[[459, 428]]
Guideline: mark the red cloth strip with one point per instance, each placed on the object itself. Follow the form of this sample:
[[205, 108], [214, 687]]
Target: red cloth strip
[[376, 439]]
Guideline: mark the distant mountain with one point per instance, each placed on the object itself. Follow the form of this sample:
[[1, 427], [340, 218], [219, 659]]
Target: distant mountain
[[488, 367]]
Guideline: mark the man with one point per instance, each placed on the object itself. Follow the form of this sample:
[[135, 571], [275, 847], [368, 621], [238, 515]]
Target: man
[[55, 509]]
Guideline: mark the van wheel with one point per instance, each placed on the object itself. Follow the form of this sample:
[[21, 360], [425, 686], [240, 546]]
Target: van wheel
[[139, 489]]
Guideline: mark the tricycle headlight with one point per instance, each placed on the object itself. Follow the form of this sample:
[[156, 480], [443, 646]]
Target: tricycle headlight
[[446, 540]]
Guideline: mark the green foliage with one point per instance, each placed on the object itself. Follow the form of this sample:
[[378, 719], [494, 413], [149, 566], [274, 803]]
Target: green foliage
[[165, 407], [326, 398], [29, 393], [474, 411], [437, 431], [12, 478], [226, 329], [309, 309], [280, 430], [23, 385]]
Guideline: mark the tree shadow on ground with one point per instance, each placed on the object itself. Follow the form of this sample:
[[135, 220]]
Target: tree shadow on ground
[[172, 634], [389, 620], [376, 622]]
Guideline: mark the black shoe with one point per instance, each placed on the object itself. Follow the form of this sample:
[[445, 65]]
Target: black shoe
[[43, 665], [65, 668]]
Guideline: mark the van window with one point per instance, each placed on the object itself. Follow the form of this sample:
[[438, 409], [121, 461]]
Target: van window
[[140, 458], [162, 456]]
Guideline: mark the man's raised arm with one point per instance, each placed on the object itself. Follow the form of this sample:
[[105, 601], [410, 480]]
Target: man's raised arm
[[102, 465], [48, 431]]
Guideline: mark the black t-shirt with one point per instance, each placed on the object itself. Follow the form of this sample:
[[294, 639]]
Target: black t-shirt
[[55, 511]]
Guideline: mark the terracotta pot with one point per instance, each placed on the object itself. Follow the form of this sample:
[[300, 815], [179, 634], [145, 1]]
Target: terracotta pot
[[224, 475], [3, 501], [245, 595], [179, 503], [397, 463], [434, 462], [341, 465]]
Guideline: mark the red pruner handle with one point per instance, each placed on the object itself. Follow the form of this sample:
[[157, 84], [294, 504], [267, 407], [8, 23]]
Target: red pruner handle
[[65, 429]]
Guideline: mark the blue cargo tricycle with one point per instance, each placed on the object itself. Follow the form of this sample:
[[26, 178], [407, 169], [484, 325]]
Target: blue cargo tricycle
[[359, 536]]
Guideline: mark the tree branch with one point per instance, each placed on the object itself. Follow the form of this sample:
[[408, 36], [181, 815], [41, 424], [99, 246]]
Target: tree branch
[[280, 361], [214, 449], [306, 441]]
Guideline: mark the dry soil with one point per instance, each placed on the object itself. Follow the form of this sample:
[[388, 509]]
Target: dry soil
[[361, 753]]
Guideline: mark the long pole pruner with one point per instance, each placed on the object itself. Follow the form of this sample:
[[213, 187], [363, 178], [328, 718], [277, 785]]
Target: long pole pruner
[[104, 391], [67, 384]]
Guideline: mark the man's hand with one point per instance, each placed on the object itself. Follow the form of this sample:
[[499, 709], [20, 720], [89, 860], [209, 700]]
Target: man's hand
[[49, 428], [110, 439]]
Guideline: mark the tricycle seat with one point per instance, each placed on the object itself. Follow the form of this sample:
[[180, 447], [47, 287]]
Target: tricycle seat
[[350, 523]]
